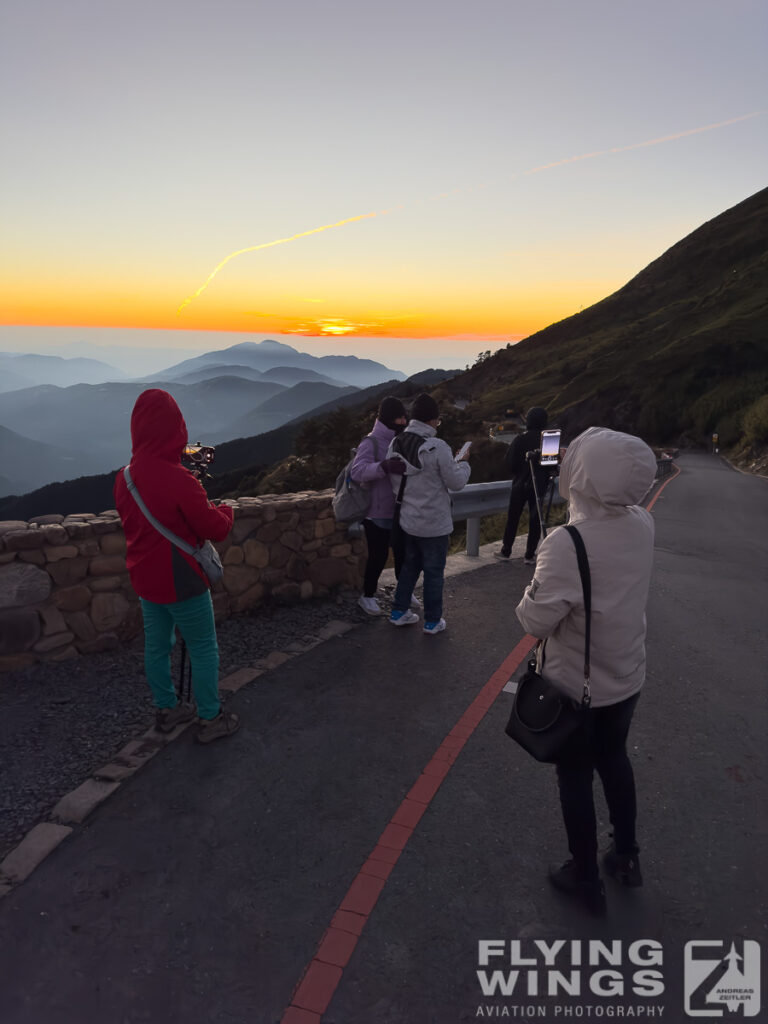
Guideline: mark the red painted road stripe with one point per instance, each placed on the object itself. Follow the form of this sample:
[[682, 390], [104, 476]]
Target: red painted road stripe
[[653, 500], [324, 972]]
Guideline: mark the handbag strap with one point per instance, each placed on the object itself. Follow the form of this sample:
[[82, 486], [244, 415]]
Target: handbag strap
[[586, 586], [399, 500], [158, 526]]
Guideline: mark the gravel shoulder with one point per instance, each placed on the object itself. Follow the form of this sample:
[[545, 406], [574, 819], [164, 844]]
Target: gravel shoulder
[[61, 721]]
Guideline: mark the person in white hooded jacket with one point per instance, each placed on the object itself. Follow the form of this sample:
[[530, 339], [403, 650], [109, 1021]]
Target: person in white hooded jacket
[[425, 518], [604, 475]]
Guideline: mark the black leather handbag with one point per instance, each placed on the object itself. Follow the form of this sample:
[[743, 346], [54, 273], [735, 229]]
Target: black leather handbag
[[544, 720]]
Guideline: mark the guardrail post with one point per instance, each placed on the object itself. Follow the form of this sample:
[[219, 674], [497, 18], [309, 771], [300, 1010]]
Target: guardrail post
[[473, 537]]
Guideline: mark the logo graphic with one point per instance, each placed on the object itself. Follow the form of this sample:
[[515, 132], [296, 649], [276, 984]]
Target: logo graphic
[[722, 981]]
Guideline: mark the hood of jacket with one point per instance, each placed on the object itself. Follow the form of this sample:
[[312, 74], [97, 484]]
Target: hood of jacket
[[158, 429], [604, 471], [407, 444]]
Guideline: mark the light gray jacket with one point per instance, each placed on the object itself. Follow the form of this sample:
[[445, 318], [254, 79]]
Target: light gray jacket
[[431, 475], [603, 475]]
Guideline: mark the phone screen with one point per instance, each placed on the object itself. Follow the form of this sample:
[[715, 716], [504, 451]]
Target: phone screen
[[550, 447]]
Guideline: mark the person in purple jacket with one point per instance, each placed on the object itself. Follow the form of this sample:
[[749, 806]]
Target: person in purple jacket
[[371, 466]]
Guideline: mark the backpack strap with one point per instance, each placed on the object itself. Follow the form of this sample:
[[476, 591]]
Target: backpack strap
[[586, 586], [148, 515]]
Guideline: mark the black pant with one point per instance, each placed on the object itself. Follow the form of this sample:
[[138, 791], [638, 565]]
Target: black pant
[[518, 496], [379, 541], [601, 745]]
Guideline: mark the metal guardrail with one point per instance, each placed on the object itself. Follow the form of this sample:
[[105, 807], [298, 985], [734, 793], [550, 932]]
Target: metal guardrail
[[475, 501]]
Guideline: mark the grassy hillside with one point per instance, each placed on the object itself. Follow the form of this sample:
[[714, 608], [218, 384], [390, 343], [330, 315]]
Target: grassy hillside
[[677, 353]]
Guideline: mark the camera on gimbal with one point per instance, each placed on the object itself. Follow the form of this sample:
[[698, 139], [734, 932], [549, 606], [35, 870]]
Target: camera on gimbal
[[197, 458]]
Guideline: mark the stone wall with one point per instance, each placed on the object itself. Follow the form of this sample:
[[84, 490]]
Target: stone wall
[[64, 587]]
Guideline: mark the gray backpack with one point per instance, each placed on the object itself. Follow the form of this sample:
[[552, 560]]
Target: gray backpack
[[352, 500]]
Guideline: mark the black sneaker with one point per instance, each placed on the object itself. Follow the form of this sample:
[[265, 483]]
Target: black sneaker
[[591, 893], [624, 867]]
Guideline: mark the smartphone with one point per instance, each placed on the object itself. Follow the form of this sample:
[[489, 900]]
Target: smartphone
[[462, 451], [550, 447]]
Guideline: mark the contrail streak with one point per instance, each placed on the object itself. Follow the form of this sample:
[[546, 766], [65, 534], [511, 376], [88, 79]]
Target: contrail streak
[[442, 195]]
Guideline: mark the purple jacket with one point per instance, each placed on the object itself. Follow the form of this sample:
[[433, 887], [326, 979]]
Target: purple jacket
[[367, 469]]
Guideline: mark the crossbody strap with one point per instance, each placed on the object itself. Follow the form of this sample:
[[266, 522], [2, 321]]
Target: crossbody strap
[[586, 586], [158, 526]]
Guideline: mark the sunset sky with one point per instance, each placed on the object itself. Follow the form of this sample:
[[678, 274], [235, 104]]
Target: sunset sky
[[354, 171]]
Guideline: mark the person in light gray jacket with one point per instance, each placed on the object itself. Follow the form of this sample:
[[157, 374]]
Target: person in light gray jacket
[[604, 475], [425, 518]]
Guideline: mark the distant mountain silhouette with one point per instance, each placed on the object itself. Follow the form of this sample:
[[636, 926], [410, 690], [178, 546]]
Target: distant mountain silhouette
[[27, 464], [290, 403], [266, 355], [18, 370], [285, 375]]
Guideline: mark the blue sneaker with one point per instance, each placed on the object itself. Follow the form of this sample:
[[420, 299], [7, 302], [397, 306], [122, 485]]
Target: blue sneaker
[[434, 627], [403, 618]]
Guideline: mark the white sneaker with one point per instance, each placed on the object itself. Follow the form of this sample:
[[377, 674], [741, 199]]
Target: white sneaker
[[370, 605], [434, 627], [529, 561], [403, 618], [415, 602]]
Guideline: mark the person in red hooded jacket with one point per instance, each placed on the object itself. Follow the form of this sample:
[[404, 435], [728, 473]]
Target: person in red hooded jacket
[[173, 589]]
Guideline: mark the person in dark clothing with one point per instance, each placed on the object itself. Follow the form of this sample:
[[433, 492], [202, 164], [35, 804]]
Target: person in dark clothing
[[518, 468]]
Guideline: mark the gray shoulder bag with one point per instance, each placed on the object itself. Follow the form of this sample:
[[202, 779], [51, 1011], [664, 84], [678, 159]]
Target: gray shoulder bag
[[206, 556]]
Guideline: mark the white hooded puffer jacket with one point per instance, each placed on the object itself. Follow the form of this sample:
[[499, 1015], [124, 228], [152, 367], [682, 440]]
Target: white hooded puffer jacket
[[604, 475]]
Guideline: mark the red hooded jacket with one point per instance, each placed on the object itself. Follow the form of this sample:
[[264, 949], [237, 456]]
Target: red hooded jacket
[[160, 571]]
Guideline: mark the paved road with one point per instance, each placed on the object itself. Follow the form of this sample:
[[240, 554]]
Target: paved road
[[201, 890]]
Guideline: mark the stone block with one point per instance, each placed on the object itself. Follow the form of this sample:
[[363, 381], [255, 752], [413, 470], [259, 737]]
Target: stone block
[[248, 599], [105, 642], [287, 593], [50, 643], [292, 539], [54, 534], [296, 568], [112, 544], [7, 556], [70, 571], [36, 557], [77, 805], [276, 658], [22, 585], [12, 526], [77, 530], [108, 611], [312, 545], [14, 662], [324, 528], [107, 565], [336, 627], [236, 680], [270, 531], [278, 556], [52, 619], [32, 850], [341, 550], [238, 578], [63, 654], [221, 605], [81, 625], [72, 599], [305, 590], [242, 529], [233, 555], [110, 513], [58, 553], [101, 526], [115, 772], [328, 572], [23, 540], [79, 516], [19, 630], [256, 554], [89, 547], [104, 584], [52, 518]]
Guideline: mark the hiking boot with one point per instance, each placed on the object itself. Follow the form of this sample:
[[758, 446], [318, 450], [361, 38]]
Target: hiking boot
[[624, 867], [224, 724], [370, 605], [434, 627], [403, 618], [589, 892], [166, 719]]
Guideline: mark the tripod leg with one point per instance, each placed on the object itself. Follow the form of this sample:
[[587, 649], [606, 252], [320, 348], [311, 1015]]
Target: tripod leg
[[538, 502]]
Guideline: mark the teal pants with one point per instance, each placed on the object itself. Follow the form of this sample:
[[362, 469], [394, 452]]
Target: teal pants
[[194, 619]]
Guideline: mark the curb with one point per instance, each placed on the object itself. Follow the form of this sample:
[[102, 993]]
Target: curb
[[74, 807]]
